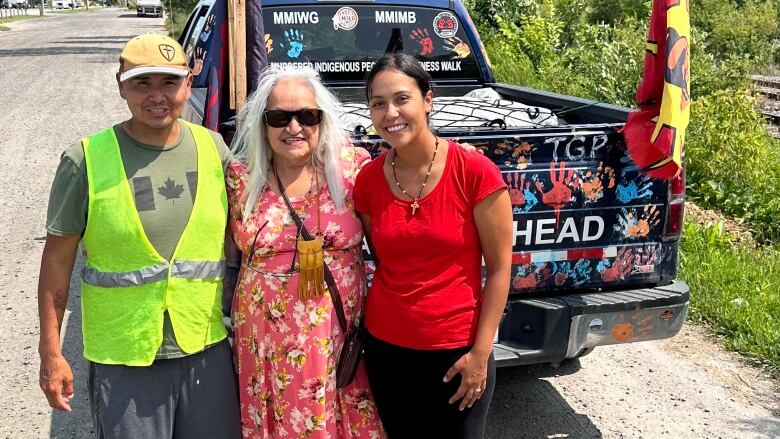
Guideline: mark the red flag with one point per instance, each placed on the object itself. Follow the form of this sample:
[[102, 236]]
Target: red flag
[[655, 134]]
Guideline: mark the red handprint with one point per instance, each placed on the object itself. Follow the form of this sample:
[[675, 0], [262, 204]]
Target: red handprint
[[560, 194], [516, 188], [621, 266], [423, 38], [524, 282], [532, 279]]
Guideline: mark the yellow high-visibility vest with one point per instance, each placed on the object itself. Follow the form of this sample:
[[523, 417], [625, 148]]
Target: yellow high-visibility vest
[[126, 285]]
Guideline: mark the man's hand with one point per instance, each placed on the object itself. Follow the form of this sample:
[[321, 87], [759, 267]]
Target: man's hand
[[56, 380]]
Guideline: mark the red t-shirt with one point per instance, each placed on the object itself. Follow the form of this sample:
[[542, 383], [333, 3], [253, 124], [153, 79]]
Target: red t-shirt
[[427, 288]]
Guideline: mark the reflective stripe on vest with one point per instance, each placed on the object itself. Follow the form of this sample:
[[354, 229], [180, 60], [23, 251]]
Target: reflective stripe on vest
[[155, 273], [126, 285]]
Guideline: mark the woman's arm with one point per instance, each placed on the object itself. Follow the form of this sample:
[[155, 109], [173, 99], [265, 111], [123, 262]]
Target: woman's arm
[[366, 221], [493, 218]]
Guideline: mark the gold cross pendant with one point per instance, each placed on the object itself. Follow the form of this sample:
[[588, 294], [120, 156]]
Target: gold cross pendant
[[415, 206]]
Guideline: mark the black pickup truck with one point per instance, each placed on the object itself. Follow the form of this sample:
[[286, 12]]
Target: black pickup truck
[[595, 242]]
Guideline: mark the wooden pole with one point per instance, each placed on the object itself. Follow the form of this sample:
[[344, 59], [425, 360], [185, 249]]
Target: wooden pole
[[237, 51], [241, 84], [231, 52]]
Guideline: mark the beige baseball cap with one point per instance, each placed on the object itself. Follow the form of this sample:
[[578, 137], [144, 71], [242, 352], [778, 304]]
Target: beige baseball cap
[[152, 53]]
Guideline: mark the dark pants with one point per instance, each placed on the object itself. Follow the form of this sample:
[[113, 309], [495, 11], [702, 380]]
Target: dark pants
[[412, 398], [191, 397]]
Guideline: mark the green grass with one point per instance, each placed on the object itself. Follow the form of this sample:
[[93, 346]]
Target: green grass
[[15, 18], [734, 290]]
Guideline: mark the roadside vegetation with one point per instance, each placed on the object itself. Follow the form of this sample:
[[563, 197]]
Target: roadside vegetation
[[595, 49], [176, 14], [15, 18]]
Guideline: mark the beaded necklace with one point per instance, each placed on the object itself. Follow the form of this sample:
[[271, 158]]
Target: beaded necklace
[[415, 200]]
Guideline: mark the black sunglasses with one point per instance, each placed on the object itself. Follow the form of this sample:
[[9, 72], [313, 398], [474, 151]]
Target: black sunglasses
[[304, 116]]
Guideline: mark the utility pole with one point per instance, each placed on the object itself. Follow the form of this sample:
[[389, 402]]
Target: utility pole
[[40, 7]]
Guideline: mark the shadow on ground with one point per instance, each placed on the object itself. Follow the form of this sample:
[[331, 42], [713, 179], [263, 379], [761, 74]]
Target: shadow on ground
[[526, 406], [134, 15], [57, 51], [118, 40]]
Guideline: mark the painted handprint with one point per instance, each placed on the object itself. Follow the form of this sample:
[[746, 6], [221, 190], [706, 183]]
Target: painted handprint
[[200, 55], [295, 41], [592, 183], [423, 38], [516, 188], [579, 274], [269, 44], [634, 189], [646, 258], [502, 148], [560, 194], [560, 278], [522, 154], [207, 28], [455, 44], [617, 269], [522, 197], [527, 279], [635, 225], [629, 165]]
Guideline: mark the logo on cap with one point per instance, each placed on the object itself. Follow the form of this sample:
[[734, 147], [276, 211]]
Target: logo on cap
[[167, 51]]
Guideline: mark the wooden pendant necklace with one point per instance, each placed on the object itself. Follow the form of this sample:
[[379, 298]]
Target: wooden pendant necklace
[[415, 200]]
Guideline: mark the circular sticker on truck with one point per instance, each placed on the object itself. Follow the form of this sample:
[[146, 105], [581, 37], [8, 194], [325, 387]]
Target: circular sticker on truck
[[445, 24], [345, 18]]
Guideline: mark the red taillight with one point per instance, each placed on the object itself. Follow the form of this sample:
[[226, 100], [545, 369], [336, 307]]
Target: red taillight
[[677, 186], [674, 220], [676, 212]]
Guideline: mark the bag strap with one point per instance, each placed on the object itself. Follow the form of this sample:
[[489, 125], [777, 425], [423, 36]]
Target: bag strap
[[334, 291]]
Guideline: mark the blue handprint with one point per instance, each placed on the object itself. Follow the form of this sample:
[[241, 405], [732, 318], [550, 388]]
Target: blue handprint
[[630, 165], [582, 272], [207, 28], [295, 41], [531, 200], [638, 187]]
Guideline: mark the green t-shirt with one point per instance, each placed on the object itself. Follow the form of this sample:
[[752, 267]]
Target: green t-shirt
[[163, 183]]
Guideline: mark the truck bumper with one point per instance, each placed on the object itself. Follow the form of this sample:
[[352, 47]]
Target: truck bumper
[[552, 329]]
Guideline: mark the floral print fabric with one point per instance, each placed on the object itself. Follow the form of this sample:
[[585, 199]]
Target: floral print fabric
[[286, 349]]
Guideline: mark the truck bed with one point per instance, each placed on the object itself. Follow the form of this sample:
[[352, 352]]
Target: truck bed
[[594, 262]]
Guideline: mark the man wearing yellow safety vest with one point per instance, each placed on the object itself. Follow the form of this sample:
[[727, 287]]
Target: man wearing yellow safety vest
[[146, 198]]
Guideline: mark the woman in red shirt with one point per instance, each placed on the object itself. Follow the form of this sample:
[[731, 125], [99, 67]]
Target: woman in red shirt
[[431, 211]]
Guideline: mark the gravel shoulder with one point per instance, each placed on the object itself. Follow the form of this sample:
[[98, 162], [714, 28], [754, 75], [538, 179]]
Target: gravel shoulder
[[58, 85]]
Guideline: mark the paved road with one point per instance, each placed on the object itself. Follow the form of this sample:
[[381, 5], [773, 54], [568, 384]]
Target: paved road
[[57, 84]]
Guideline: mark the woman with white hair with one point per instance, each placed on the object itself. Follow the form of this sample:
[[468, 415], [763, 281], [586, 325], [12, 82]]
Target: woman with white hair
[[294, 160]]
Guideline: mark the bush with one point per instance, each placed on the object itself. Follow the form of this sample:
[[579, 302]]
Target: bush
[[734, 291], [733, 165], [612, 12], [599, 62]]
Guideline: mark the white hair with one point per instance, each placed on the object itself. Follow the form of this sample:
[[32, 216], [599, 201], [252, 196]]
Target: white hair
[[251, 145]]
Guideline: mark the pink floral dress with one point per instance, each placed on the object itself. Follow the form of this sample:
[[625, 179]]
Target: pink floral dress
[[286, 349]]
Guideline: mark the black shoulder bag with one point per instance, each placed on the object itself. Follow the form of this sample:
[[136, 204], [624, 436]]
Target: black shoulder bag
[[350, 354]]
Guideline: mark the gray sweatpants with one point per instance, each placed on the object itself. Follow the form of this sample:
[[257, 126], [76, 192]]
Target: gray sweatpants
[[190, 397]]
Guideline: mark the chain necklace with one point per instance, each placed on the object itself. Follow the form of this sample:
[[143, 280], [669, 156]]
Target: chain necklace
[[415, 205]]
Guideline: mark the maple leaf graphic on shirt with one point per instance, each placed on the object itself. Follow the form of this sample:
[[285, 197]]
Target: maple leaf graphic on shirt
[[171, 190]]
